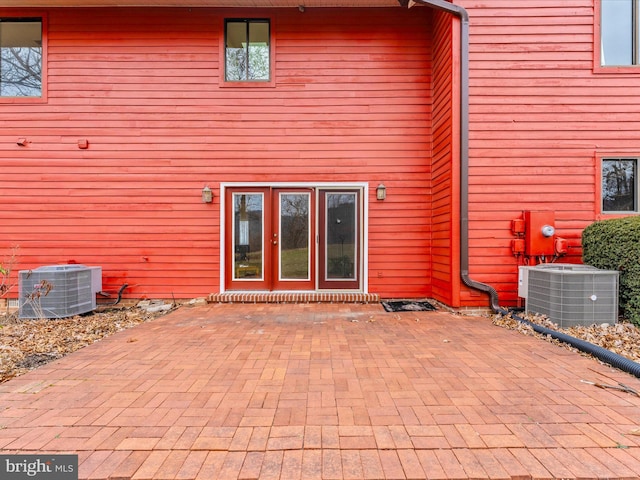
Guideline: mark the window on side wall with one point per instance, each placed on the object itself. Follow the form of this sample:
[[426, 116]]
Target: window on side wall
[[20, 57], [619, 32], [247, 50], [619, 185]]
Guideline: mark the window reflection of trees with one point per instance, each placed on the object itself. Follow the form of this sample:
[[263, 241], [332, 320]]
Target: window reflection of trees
[[341, 235], [20, 58], [21, 72], [619, 185], [250, 63], [249, 220], [248, 236], [247, 51], [294, 236], [294, 216]]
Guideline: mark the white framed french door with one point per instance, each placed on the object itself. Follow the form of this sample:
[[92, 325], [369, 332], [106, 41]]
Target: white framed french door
[[293, 238]]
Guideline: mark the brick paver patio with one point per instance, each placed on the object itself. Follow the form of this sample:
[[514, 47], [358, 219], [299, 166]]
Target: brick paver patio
[[326, 391]]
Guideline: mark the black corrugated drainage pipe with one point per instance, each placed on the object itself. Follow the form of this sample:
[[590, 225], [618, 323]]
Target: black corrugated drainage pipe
[[462, 14], [607, 356], [603, 354]]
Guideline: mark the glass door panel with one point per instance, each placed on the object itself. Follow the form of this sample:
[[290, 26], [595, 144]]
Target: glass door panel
[[248, 234], [247, 225], [339, 240], [295, 243], [341, 236], [293, 234]]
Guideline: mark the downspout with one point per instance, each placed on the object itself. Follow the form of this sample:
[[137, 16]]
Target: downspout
[[463, 15]]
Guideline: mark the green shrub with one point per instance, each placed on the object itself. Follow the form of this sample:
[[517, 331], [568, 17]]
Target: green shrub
[[615, 245]]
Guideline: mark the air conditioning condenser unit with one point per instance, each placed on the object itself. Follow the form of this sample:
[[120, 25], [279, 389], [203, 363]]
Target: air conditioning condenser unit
[[58, 291], [571, 294]]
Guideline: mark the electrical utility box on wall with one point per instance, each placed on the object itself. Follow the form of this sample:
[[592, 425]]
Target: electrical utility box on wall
[[572, 294], [538, 236], [58, 291]]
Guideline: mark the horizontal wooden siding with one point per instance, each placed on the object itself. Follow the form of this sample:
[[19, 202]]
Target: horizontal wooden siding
[[442, 246], [351, 103]]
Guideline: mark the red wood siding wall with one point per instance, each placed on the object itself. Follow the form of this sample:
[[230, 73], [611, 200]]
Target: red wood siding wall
[[539, 117], [443, 249], [351, 103], [400, 227]]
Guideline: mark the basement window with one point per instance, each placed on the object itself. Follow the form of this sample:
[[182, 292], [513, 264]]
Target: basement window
[[620, 32], [20, 57], [619, 185], [247, 50]]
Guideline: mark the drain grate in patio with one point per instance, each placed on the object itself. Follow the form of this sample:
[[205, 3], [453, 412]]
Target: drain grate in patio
[[407, 306]]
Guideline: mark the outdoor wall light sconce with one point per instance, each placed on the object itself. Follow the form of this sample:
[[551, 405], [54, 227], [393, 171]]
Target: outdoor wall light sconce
[[22, 142], [381, 192], [301, 8], [207, 194]]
